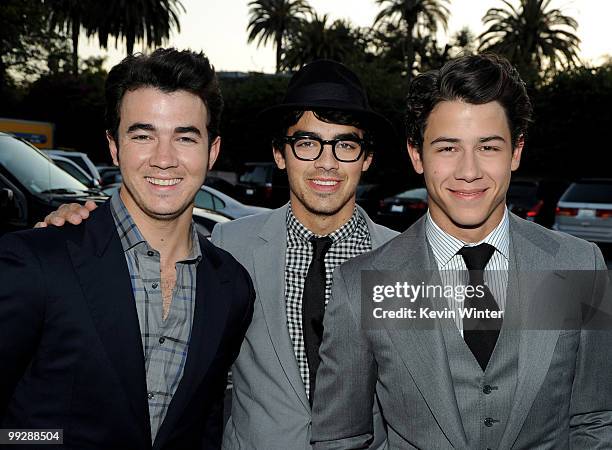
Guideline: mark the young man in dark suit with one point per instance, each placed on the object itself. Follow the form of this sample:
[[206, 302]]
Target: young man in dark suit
[[120, 331]]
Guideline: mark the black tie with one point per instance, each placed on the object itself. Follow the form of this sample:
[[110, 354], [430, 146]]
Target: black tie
[[313, 306], [480, 334]]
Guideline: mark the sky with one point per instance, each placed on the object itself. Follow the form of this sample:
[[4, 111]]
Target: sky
[[218, 27]]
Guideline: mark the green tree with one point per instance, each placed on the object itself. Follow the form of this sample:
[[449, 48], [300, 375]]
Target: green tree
[[73, 16], [147, 21], [405, 17], [273, 20], [536, 38], [317, 39]]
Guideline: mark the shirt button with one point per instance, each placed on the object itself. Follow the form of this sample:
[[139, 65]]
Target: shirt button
[[150, 253], [150, 395], [489, 422], [487, 389], [154, 285], [162, 340]]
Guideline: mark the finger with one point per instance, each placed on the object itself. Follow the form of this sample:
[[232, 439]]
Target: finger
[[40, 225], [90, 205], [55, 219]]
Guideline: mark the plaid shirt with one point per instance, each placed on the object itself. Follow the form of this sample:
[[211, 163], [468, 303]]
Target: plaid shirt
[[350, 240], [165, 341]]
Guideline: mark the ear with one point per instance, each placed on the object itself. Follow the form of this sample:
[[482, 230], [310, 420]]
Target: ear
[[279, 158], [517, 152], [367, 162], [213, 152], [415, 157], [113, 148]]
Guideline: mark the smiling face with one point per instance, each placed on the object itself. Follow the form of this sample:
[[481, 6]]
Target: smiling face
[[467, 158], [163, 152], [324, 188]]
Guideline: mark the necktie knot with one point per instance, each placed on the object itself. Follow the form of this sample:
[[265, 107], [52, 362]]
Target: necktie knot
[[477, 257], [320, 246]]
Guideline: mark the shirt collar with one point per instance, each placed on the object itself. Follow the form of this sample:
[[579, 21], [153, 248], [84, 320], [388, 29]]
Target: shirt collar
[[130, 235], [298, 230], [445, 246]]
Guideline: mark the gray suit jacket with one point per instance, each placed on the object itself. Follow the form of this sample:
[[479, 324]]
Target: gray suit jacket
[[563, 396], [270, 409]]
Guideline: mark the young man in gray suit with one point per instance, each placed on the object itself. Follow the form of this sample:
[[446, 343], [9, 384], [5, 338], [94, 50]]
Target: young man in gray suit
[[454, 383], [324, 135]]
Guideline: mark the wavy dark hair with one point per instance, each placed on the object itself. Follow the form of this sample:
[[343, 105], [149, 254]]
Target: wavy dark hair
[[475, 79], [168, 70]]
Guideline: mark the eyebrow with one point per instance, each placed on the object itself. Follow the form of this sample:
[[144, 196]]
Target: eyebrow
[[455, 140], [141, 126], [188, 129], [340, 136]]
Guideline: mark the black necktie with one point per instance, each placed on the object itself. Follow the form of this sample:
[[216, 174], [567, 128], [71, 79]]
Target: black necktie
[[480, 334], [313, 306]]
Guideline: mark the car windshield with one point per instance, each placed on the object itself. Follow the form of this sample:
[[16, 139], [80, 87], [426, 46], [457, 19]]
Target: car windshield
[[33, 169], [589, 192], [256, 175]]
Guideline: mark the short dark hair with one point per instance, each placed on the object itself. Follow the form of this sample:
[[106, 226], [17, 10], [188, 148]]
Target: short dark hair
[[475, 79], [168, 70], [333, 116]]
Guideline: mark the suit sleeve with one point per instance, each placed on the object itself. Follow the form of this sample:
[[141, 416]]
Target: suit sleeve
[[213, 422], [21, 312], [346, 378], [215, 237], [591, 402]]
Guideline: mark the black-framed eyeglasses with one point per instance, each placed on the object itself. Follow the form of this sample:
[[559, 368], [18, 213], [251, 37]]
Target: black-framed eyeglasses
[[310, 148]]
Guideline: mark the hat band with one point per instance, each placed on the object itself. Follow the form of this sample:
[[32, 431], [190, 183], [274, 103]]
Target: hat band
[[326, 92]]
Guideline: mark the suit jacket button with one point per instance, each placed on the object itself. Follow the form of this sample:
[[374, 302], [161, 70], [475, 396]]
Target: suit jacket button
[[487, 389], [489, 422], [150, 395]]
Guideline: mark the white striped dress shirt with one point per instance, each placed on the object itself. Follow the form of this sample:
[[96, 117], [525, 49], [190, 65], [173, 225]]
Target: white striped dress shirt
[[451, 265]]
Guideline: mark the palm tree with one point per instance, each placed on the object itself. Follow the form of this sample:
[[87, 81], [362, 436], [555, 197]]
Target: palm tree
[[408, 15], [73, 16], [147, 21], [316, 39], [274, 20], [533, 37]]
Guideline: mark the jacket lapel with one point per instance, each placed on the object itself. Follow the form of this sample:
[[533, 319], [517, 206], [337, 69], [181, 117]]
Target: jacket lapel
[[423, 350], [269, 268], [536, 347], [209, 322], [101, 267]]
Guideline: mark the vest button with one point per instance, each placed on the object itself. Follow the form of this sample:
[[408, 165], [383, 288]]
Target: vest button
[[487, 389], [489, 422]]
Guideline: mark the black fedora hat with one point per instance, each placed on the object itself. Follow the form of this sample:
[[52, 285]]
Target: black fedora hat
[[329, 85]]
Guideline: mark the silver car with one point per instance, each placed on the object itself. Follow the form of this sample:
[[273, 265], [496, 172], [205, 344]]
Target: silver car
[[585, 210]]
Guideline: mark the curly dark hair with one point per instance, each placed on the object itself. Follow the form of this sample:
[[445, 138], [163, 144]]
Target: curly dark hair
[[168, 70], [475, 79]]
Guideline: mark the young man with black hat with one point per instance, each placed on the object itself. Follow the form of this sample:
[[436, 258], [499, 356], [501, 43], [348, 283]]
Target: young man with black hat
[[324, 134]]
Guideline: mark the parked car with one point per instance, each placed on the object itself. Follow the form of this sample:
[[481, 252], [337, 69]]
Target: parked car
[[74, 170], [109, 175], [402, 210], [222, 185], [205, 220], [215, 200], [585, 210], [32, 186], [81, 159], [263, 184], [535, 199]]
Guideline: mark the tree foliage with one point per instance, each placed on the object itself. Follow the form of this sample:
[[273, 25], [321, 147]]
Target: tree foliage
[[536, 38], [274, 20]]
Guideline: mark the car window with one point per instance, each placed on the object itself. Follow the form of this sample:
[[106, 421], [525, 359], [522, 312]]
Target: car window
[[522, 190], [591, 192], [71, 170], [419, 193], [256, 175], [219, 204], [204, 199], [33, 169]]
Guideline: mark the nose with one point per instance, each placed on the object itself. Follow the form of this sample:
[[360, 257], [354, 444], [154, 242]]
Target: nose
[[164, 155], [468, 167], [327, 160]]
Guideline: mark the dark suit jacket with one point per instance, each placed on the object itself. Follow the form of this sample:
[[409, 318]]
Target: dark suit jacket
[[70, 345]]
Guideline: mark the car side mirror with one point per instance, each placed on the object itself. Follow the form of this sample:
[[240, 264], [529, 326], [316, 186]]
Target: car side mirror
[[7, 198]]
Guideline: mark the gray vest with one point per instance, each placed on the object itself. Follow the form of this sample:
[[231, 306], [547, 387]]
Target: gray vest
[[484, 399]]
